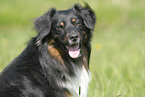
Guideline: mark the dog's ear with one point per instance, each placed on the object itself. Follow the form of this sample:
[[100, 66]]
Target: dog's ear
[[42, 25], [87, 14]]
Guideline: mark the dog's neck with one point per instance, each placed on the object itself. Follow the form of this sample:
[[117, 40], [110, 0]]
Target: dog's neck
[[78, 84]]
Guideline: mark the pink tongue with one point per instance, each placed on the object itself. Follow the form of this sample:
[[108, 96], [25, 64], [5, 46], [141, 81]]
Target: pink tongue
[[74, 52]]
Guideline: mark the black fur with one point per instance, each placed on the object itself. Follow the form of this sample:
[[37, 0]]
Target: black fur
[[37, 71]]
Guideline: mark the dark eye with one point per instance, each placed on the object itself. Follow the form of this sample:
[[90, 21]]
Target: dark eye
[[75, 22], [61, 26]]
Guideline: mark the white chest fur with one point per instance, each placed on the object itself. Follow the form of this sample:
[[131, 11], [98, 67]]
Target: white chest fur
[[78, 85]]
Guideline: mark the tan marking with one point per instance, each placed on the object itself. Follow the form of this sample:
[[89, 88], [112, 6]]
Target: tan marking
[[68, 94], [73, 20], [66, 37], [51, 41], [85, 35], [62, 24], [55, 53]]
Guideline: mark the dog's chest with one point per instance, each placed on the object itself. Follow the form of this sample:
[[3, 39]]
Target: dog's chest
[[78, 85]]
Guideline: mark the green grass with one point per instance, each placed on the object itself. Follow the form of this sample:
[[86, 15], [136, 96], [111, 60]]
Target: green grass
[[118, 52]]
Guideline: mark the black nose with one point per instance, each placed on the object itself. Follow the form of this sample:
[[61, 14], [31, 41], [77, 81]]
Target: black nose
[[74, 37]]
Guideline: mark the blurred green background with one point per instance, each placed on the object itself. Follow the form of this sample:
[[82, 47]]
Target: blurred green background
[[118, 53]]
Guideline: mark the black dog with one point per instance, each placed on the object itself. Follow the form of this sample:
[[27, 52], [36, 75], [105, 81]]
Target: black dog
[[55, 63]]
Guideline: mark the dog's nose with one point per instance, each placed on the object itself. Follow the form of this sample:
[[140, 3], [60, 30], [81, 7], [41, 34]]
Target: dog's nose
[[74, 37]]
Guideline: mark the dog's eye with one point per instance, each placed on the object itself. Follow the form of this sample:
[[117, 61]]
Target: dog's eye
[[75, 22], [61, 26]]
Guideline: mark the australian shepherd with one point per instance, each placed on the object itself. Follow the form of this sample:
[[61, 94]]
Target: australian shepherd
[[55, 63]]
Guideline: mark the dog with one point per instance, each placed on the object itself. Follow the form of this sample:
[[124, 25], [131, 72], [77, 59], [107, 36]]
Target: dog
[[55, 62]]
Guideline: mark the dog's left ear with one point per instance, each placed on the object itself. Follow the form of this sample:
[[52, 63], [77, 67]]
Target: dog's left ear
[[87, 14], [42, 25]]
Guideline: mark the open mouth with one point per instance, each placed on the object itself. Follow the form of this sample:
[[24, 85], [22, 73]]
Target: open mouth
[[74, 50]]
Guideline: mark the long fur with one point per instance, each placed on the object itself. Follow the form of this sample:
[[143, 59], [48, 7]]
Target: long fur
[[44, 68]]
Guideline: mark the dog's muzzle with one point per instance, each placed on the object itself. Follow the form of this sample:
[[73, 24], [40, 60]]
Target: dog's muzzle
[[74, 46]]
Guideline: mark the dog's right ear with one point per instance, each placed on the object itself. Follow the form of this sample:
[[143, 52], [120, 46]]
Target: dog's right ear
[[42, 25], [87, 14]]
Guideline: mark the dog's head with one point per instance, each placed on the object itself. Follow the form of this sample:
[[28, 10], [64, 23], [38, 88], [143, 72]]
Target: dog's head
[[68, 29]]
